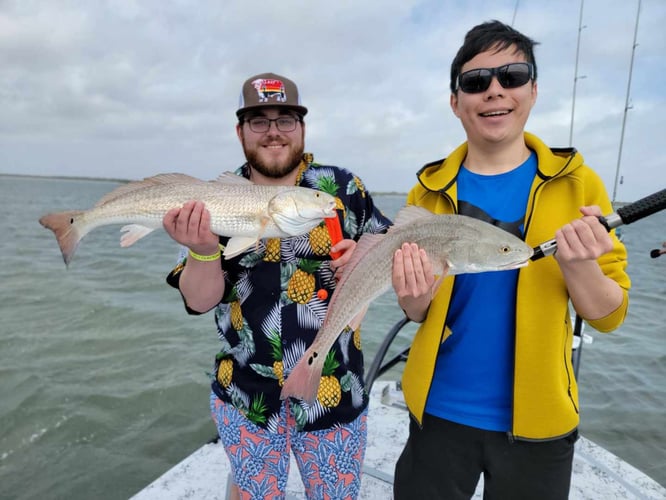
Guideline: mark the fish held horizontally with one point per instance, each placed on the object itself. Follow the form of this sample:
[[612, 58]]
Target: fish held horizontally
[[239, 209], [465, 244]]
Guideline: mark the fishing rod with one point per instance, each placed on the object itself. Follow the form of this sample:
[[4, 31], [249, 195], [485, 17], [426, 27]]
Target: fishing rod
[[625, 215]]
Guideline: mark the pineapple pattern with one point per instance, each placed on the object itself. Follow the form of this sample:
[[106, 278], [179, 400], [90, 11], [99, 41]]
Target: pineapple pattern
[[225, 370], [272, 253], [301, 285], [276, 297], [329, 393], [320, 240]]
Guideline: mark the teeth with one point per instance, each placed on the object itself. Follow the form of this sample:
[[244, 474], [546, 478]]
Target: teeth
[[495, 113]]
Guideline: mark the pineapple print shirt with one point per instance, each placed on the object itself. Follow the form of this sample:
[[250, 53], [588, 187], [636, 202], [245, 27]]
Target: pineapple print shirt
[[276, 297]]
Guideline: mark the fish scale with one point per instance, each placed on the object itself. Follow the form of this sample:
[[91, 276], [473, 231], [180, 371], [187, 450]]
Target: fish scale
[[235, 210]]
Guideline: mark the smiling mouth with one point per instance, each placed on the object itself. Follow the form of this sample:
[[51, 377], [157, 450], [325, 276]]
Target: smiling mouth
[[495, 113]]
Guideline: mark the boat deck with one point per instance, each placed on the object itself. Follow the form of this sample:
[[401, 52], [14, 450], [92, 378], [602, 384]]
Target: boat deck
[[597, 473]]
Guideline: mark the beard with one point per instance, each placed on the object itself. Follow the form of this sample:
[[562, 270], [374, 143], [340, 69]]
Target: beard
[[274, 169]]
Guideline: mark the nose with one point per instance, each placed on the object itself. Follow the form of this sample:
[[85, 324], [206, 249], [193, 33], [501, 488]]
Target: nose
[[495, 88]]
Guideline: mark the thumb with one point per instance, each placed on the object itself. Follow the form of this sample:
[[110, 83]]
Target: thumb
[[591, 210]]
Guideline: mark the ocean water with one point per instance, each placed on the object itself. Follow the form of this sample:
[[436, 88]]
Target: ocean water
[[103, 376]]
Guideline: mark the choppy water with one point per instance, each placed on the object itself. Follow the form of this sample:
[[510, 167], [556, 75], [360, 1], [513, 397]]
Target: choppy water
[[103, 382]]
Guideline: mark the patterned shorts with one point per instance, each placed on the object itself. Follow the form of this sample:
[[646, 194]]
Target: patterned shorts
[[329, 460]]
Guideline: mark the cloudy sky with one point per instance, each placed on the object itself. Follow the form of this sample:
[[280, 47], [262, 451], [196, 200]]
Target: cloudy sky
[[131, 88]]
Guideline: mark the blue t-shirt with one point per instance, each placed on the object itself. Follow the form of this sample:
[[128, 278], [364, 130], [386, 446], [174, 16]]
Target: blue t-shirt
[[473, 379]]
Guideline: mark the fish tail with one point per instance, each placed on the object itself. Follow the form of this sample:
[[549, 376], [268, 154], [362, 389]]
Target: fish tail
[[303, 381], [68, 234]]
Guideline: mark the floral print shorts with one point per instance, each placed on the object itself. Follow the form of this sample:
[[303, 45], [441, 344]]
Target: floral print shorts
[[329, 460]]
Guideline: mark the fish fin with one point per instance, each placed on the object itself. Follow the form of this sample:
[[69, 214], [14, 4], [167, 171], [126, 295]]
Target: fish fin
[[263, 224], [231, 178], [159, 179], [237, 245], [68, 234], [133, 233], [265, 219], [409, 214], [438, 282], [358, 319], [363, 246], [303, 381]]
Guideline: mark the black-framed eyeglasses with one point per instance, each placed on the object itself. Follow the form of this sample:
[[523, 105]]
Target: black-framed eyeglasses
[[261, 124], [509, 76]]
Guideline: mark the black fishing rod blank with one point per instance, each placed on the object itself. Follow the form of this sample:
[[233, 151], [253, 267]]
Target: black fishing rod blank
[[624, 215]]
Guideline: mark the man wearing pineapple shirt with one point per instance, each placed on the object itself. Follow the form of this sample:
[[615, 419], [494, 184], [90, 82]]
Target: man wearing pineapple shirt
[[269, 304]]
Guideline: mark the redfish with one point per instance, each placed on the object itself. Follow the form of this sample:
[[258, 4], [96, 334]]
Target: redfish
[[464, 244], [239, 209]]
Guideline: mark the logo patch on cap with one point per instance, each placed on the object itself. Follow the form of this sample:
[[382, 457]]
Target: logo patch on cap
[[270, 89]]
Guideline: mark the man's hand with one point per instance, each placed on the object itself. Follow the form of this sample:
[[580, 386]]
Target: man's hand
[[583, 239], [346, 248], [189, 225], [414, 280], [579, 244]]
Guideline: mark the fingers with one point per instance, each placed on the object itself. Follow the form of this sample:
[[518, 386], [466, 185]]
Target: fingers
[[412, 271], [191, 219], [189, 225], [583, 239], [398, 272], [346, 248], [169, 221], [591, 210]]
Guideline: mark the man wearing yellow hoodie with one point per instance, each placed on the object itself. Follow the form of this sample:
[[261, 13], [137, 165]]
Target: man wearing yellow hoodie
[[489, 380]]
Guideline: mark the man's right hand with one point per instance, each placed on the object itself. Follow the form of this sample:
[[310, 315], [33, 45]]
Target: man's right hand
[[414, 281], [189, 225]]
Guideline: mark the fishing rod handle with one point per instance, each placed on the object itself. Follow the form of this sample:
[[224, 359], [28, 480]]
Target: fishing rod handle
[[643, 207], [625, 215]]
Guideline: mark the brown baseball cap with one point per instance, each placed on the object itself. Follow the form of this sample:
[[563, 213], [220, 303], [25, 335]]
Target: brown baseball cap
[[269, 89]]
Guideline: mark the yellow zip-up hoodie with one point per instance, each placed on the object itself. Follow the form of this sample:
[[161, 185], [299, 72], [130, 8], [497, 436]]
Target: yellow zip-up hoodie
[[545, 394]]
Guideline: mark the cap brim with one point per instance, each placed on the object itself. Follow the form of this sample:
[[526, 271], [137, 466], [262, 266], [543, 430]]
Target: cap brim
[[302, 110]]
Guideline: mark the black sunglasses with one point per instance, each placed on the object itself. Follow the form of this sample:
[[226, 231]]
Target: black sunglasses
[[509, 76]]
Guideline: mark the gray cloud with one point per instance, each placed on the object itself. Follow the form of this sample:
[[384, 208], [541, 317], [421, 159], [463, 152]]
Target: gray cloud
[[130, 89]]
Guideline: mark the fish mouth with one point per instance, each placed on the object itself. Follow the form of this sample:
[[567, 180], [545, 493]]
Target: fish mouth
[[327, 213], [330, 211], [515, 265]]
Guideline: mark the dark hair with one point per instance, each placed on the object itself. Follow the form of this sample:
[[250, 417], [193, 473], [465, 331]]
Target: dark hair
[[491, 35]]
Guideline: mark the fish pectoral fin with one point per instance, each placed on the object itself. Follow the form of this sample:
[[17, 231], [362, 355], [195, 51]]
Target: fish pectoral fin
[[238, 244], [133, 233], [263, 223], [436, 285], [358, 319]]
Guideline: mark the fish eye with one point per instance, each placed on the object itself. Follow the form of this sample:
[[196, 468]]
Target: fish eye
[[505, 249]]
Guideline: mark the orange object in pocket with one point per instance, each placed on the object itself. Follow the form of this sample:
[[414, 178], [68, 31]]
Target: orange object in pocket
[[335, 232]]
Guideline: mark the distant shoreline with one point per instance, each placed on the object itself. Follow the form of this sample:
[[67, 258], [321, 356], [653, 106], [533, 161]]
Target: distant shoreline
[[65, 177], [107, 179]]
